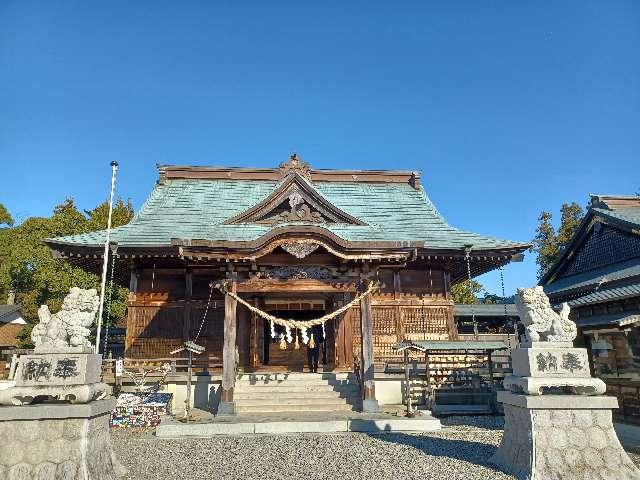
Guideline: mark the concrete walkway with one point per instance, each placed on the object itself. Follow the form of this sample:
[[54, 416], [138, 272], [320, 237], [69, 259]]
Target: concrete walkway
[[206, 425]]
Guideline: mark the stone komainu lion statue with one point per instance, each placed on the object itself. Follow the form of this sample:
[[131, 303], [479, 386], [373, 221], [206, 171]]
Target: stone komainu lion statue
[[68, 327], [541, 322]]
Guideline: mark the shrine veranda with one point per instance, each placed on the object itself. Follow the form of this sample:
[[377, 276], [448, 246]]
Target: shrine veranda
[[296, 243]]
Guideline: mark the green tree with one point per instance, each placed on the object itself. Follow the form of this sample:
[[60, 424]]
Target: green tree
[[548, 244], [466, 292], [27, 266], [5, 216]]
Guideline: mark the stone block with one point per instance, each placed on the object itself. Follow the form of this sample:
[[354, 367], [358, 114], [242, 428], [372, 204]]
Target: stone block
[[57, 369], [550, 362], [562, 402]]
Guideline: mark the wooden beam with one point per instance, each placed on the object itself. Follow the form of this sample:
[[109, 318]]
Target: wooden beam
[[306, 285], [227, 406], [369, 402]]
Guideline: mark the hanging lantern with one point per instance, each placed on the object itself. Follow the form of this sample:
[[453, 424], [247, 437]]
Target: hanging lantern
[[283, 343], [312, 344], [305, 336], [296, 346]]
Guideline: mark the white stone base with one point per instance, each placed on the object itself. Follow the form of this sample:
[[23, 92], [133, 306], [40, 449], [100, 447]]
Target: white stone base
[[58, 441], [561, 437], [537, 385], [70, 393]]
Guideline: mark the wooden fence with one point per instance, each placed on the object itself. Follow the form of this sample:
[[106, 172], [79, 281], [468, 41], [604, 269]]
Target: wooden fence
[[178, 365]]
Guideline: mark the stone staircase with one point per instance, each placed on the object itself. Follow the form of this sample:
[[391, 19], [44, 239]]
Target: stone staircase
[[296, 392]]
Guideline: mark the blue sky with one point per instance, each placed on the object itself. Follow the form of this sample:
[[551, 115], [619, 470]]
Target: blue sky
[[508, 108]]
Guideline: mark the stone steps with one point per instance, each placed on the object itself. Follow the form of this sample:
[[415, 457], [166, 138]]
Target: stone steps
[[246, 394], [296, 392], [329, 402], [273, 408]]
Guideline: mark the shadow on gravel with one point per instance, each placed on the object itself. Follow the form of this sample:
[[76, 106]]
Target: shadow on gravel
[[473, 452]]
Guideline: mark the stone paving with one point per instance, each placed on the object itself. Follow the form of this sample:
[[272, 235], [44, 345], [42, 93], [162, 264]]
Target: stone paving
[[460, 451]]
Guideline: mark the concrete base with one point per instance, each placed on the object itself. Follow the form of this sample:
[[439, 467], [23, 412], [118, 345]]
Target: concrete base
[[58, 441], [226, 408], [171, 429], [370, 406], [562, 437]]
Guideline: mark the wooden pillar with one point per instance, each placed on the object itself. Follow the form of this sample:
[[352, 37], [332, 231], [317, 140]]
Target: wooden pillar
[[227, 405], [369, 402]]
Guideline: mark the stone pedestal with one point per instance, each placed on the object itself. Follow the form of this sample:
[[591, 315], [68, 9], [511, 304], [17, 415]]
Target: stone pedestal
[[57, 441], [552, 367], [72, 376], [561, 437]]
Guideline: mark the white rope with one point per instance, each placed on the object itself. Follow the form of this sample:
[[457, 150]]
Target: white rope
[[301, 325]]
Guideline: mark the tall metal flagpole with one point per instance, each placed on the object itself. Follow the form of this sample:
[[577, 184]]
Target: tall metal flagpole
[[105, 261]]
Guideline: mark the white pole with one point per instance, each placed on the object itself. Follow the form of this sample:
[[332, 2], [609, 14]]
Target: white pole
[[114, 169]]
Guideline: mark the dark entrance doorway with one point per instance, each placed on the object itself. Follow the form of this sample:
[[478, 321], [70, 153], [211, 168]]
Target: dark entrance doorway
[[292, 359]]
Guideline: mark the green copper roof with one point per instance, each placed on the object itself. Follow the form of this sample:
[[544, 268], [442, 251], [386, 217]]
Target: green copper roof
[[190, 209]]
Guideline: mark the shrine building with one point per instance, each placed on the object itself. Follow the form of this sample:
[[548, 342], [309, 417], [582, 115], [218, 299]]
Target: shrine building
[[214, 252]]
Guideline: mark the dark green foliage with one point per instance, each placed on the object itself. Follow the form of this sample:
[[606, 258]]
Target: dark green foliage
[[27, 266], [548, 243], [466, 292], [5, 216]]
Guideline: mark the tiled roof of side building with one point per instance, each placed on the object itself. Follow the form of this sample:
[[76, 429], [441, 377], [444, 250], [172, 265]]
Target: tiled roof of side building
[[8, 310], [485, 310], [607, 295], [599, 276], [629, 215], [197, 209]]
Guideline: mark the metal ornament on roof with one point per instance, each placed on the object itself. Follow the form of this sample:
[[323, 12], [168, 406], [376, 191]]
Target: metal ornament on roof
[[295, 164]]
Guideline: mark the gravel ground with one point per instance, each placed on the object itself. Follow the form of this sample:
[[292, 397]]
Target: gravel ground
[[460, 451]]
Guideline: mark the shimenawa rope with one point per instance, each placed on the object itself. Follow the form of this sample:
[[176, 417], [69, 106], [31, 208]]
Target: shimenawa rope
[[301, 325]]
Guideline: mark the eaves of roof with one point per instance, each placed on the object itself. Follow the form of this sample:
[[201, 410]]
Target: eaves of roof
[[607, 295], [613, 275]]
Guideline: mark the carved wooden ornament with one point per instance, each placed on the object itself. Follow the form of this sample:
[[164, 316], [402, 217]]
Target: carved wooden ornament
[[300, 249]]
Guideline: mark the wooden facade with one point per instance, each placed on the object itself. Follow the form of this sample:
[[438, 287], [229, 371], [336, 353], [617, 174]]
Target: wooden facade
[[299, 243], [167, 307]]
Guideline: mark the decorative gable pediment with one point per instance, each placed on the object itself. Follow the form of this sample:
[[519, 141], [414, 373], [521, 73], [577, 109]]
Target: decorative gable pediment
[[294, 201]]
